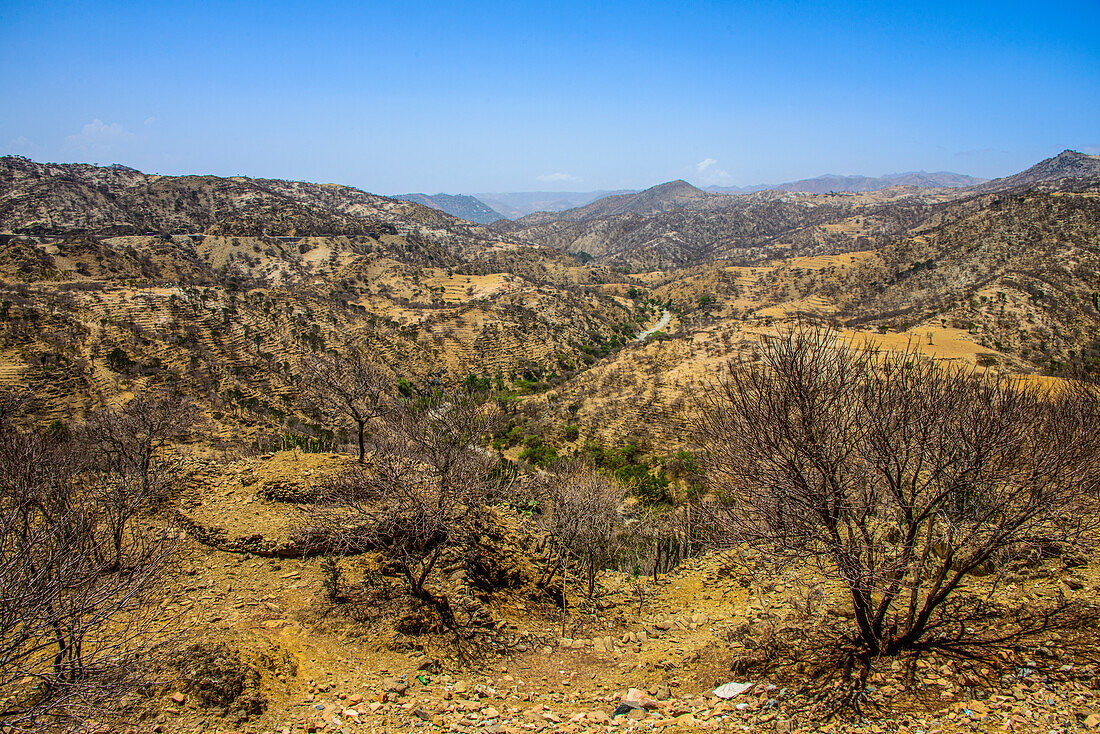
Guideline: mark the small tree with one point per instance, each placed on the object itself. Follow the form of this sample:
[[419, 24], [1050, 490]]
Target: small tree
[[428, 479], [580, 513], [72, 628], [347, 388], [126, 450], [130, 441], [899, 475]]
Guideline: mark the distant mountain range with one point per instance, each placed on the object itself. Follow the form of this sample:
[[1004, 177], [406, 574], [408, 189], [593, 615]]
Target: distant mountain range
[[457, 205], [676, 224], [521, 203], [485, 208], [832, 183], [518, 204]]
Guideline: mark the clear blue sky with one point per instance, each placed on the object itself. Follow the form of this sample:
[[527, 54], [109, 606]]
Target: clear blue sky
[[431, 96]]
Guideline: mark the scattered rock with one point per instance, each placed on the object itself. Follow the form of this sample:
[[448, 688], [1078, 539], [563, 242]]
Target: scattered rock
[[638, 697], [624, 708], [731, 689], [393, 685], [597, 717]]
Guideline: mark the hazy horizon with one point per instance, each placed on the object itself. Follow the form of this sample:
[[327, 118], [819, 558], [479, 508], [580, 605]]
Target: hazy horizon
[[567, 97]]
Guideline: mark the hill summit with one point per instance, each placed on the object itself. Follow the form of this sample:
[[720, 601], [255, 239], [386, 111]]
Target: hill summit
[[1069, 164]]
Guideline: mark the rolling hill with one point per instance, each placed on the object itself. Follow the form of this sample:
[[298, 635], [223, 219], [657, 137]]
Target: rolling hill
[[112, 281], [462, 206]]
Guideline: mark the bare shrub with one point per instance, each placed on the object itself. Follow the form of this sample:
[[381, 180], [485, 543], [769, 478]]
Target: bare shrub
[[898, 475], [426, 483], [127, 454], [580, 513], [72, 618], [131, 441]]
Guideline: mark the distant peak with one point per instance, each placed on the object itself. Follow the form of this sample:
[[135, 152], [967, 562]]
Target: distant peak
[[675, 187], [1073, 155]]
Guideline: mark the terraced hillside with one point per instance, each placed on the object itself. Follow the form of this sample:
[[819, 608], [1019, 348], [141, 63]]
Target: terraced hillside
[[93, 308], [88, 314]]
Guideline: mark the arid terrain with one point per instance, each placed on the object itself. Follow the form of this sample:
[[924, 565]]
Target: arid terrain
[[314, 667], [594, 336]]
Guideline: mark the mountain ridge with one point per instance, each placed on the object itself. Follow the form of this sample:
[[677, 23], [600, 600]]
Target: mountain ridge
[[836, 183], [1067, 167], [463, 206], [69, 198]]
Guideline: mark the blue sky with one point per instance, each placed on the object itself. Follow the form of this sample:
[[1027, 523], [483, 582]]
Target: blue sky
[[397, 97]]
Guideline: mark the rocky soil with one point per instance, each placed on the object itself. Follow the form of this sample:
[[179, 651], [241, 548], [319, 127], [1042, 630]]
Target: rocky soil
[[257, 648]]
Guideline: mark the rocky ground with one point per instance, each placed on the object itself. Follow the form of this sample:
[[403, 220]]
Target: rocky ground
[[255, 646]]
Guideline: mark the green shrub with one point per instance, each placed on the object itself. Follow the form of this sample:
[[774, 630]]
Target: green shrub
[[537, 453]]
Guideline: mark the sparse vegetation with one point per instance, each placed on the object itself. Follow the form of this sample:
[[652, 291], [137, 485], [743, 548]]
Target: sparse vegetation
[[898, 475], [853, 527], [77, 572]]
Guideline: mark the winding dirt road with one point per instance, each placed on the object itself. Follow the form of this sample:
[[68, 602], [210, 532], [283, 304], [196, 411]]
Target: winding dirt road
[[665, 318]]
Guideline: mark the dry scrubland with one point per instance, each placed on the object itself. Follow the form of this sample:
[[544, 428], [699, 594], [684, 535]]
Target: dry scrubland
[[554, 526]]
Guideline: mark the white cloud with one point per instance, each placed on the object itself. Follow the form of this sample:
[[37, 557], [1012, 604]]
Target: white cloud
[[98, 139], [707, 173], [1090, 149], [556, 177], [150, 120]]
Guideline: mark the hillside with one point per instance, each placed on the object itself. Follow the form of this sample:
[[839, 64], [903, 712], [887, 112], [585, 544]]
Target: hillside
[[57, 199], [676, 225], [462, 206], [697, 227], [224, 312], [224, 307], [1066, 170], [1019, 273]]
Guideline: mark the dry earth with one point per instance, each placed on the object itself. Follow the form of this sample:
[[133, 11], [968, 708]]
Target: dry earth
[[259, 649]]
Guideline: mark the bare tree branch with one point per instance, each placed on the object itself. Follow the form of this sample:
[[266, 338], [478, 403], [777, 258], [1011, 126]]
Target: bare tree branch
[[898, 474]]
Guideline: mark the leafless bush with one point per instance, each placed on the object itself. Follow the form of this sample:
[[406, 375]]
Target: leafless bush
[[427, 480], [131, 441], [347, 388], [899, 475], [128, 471], [72, 618], [580, 513]]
